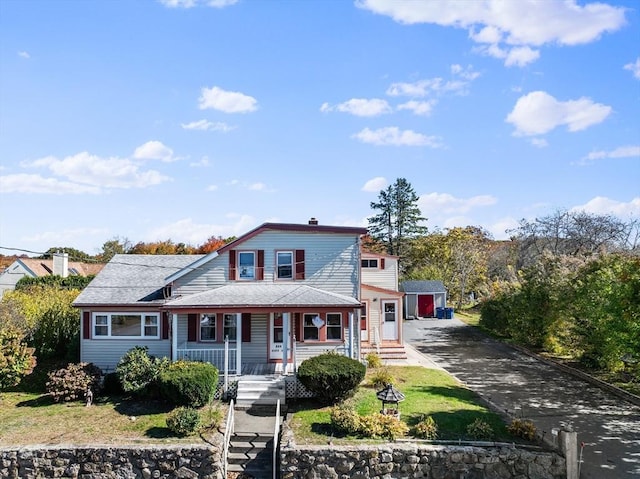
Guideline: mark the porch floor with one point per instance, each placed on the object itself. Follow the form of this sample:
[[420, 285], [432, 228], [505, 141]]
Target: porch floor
[[264, 369]]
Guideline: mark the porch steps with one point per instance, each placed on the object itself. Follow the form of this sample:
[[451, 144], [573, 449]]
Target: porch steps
[[388, 352], [251, 454], [260, 391]]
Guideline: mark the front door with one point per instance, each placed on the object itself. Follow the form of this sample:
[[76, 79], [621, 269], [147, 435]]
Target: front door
[[276, 332], [390, 320], [425, 306]]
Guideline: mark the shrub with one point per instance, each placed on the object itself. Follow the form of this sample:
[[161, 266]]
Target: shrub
[[523, 428], [331, 377], [138, 372], [189, 383], [183, 421], [345, 419], [111, 385], [426, 429], [373, 360], [480, 430], [72, 383], [16, 359], [382, 426], [380, 378]]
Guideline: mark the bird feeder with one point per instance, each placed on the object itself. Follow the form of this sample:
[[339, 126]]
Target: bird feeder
[[391, 398]]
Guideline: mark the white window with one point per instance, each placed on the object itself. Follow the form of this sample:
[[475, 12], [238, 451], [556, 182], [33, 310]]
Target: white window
[[284, 264], [310, 328], [208, 327], [246, 264], [369, 263], [334, 326], [230, 329], [126, 325]]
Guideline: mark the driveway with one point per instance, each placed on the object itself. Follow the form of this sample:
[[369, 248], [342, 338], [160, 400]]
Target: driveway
[[608, 426]]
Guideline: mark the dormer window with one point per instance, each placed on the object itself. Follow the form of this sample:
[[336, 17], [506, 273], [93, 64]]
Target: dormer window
[[284, 264], [246, 265], [369, 263]]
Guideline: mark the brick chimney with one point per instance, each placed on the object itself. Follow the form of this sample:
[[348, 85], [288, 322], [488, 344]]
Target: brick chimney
[[313, 221], [61, 264]]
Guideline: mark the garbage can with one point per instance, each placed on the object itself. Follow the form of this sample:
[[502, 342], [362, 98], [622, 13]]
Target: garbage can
[[448, 313], [440, 313]]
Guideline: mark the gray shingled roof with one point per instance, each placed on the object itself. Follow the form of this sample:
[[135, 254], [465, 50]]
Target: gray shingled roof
[[130, 279], [423, 286], [265, 294]]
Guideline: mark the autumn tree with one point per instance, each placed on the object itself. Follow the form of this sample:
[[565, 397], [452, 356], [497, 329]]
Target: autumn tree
[[74, 254], [213, 243], [398, 217], [16, 358], [112, 247], [161, 247]]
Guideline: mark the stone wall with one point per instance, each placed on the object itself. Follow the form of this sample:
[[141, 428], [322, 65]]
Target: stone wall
[[131, 462], [408, 461]]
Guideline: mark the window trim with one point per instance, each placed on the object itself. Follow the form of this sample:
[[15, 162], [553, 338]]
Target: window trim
[[210, 316], [292, 265], [239, 276], [371, 263], [109, 314], [329, 327], [304, 327]]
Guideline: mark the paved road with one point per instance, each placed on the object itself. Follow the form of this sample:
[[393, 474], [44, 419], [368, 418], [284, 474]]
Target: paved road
[[608, 426]]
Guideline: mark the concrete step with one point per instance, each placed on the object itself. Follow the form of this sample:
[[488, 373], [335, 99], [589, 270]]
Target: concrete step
[[257, 390], [251, 454]]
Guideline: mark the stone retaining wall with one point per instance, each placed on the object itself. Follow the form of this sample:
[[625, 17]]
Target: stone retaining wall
[[130, 462]]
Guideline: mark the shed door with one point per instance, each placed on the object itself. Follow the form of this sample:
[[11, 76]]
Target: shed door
[[425, 306]]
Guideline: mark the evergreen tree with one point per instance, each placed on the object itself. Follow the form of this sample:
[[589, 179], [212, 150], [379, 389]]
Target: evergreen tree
[[398, 217]]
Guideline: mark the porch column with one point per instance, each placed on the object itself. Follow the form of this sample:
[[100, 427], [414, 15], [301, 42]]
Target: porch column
[[285, 341], [174, 336], [238, 344], [351, 335]]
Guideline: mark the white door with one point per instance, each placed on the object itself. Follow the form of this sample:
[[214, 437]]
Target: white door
[[389, 320], [276, 332]]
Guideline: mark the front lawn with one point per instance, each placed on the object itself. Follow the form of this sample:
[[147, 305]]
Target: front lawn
[[428, 392]]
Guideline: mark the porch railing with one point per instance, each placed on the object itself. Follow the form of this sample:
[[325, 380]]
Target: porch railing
[[213, 356]]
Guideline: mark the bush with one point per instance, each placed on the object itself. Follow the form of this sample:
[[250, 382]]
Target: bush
[[73, 382], [382, 426], [373, 360], [345, 419], [380, 378], [426, 429], [16, 359], [183, 421], [523, 428], [480, 430], [138, 372], [331, 377], [111, 385], [189, 383]]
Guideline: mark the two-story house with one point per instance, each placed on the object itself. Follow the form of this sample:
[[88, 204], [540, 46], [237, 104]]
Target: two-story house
[[277, 286]]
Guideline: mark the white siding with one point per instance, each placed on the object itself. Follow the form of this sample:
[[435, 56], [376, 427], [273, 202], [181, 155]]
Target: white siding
[[386, 278], [105, 353], [14, 273], [256, 350]]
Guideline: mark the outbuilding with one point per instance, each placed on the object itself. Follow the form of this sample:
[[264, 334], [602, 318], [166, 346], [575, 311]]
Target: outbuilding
[[422, 298]]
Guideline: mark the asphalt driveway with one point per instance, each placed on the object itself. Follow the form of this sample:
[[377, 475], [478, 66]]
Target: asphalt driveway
[[608, 426]]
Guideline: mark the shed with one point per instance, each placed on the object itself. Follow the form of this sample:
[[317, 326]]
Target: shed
[[422, 297]]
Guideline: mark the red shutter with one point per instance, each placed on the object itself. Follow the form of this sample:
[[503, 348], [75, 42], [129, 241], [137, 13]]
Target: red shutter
[[260, 270], [192, 327], [165, 326], [86, 324], [232, 265], [299, 264], [246, 327], [381, 263], [296, 328]]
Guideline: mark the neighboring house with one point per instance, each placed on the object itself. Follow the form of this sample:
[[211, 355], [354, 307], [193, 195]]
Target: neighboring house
[[34, 268], [421, 298], [381, 316], [277, 284]]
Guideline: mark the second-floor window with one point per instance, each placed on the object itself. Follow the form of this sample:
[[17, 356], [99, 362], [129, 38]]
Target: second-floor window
[[284, 264], [246, 265], [369, 263]]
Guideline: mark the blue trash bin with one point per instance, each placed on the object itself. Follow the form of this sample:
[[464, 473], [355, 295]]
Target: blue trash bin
[[440, 313], [448, 313]]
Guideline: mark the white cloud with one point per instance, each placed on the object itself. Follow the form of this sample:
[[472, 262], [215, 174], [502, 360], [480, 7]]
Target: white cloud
[[509, 25], [422, 108], [90, 170], [24, 183], [634, 68], [499, 228], [375, 185], [195, 3], [67, 236], [206, 125], [601, 205], [360, 107], [438, 203], [392, 135], [459, 84], [539, 142], [216, 98], [189, 232], [154, 150], [212, 188], [538, 113], [24, 54], [620, 152], [203, 163]]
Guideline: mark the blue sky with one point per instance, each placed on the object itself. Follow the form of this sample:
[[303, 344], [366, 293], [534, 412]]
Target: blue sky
[[182, 119]]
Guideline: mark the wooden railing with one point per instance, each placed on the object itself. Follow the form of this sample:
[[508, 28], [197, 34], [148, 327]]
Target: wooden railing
[[228, 432]]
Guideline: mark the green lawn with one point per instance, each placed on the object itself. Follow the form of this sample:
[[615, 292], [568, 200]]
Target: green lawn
[[427, 391]]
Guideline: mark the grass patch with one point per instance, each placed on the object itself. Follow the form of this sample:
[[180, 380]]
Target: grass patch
[[428, 392]]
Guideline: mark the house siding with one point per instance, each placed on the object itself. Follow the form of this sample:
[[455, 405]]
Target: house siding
[[382, 278], [105, 353], [330, 262]]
